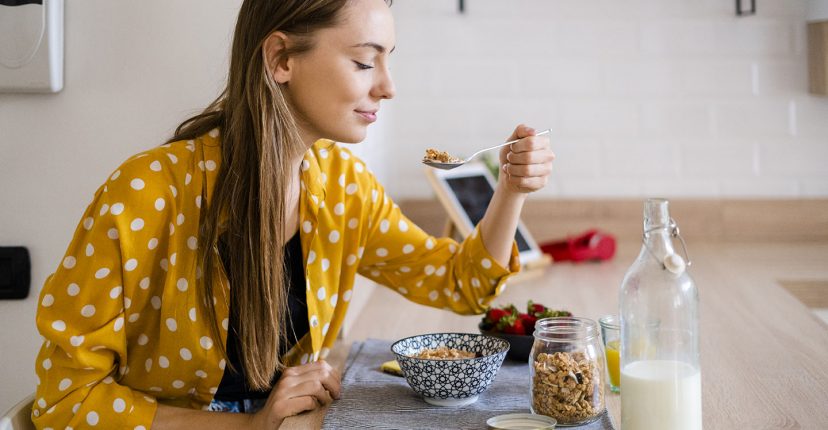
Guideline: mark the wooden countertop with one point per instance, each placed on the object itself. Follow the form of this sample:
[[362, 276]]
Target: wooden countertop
[[764, 355]]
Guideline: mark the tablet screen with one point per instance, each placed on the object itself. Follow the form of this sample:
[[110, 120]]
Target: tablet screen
[[474, 194]]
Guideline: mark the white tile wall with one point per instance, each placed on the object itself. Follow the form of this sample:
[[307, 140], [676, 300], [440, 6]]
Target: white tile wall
[[670, 97]]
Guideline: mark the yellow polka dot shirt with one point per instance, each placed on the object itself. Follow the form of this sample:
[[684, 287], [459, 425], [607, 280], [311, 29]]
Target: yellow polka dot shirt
[[121, 318]]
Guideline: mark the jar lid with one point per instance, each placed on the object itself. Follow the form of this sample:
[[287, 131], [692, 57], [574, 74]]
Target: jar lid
[[521, 422]]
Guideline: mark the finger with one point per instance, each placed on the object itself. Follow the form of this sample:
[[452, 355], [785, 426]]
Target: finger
[[521, 131], [527, 170], [531, 143], [326, 375], [305, 368], [533, 157], [297, 405], [313, 388]]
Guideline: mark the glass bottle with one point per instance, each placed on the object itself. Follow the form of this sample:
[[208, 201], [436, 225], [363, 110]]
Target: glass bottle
[[659, 308], [567, 370]]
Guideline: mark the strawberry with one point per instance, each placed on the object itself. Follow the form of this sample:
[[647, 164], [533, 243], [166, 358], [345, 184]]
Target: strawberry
[[512, 325], [535, 308], [494, 315], [528, 321]]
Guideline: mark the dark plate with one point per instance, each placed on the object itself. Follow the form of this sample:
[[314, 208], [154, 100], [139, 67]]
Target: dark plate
[[520, 346]]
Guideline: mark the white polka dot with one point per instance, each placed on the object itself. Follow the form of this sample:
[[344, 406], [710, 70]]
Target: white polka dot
[[164, 264], [339, 209], [75, 408], [201, 374], [155, 166], [455, 296], [359, 167], [171, 324], [314, 321], [115, 292], [307, 226], [69, 262], [402, 290], [143, 339], [333, 237], [131, 264], [174, 191], [433, 296], [311, 257], [117, 209], [88, 311], [89, 249], [88, 222], [112, 234], [186, 354], [155, 301], [198, 202], [214, 133], [163, 362], [73, 289], [341, 180], [119, 324], [192, 314], [320, 294], [384, 225], [441, 271], [179, 219], [172, 158], [353, 223], [182, 284], [47, 364], [475, 283], [211, 165], [64, 384], [351, 260], [119, 405], [429, 244], [429, 270], [334, 299], [115, 175], [92, 418], [323, 153], [48, 300], [408, 249], [374, 195], [346, 296], [452, 248], [360, 250], [59, 325], [403, 225], [325, 264], [76, 341], [382, 252], [224, 323], [152, 243], [375, 273], [178, 383], [133, 317], [344, 154], [144, 284], [222, 364], [486, 263], [351, 188], [325, 328], [104, 209], [206, 342], [102, 273], [305, 165], [160, 203], [137, 184], [405, 269], [192, 243]]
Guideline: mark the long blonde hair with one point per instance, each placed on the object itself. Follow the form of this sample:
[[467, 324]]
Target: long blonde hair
[[258, 137]]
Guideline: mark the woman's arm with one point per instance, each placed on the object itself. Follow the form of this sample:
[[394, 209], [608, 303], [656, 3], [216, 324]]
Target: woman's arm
[[525, 167]]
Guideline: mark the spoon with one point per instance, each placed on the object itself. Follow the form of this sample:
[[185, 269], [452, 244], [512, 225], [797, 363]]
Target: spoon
[[451, 165]]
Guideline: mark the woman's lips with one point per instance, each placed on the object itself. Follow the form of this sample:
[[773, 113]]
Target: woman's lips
[[368, 116]]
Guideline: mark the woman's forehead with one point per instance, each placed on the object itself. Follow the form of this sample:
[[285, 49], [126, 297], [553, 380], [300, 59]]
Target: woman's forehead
[[365, 22]]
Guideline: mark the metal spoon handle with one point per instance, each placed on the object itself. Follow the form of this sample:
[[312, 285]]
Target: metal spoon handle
[[502, 145]]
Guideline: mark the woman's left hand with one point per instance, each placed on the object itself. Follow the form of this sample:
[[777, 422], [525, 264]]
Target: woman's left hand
[[527, 163]]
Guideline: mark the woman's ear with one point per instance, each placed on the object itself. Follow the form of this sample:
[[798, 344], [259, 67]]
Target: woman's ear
[[277, 64]]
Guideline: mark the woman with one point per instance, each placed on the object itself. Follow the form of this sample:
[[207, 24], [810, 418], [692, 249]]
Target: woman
[[213, 273]]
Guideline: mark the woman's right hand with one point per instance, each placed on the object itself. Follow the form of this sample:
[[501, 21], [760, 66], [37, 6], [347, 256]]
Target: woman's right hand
[[301, 388]]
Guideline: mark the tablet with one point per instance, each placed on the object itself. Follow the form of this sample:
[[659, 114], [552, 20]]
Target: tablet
[[465, 192]]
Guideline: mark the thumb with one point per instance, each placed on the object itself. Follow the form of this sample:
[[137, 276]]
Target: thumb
[[521, 131]]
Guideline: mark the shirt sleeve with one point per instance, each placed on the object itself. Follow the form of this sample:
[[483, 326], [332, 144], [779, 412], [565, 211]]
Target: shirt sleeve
[[81, 317], [437, 272]]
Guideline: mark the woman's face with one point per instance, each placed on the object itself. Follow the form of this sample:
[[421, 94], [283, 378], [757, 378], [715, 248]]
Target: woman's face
[[335, 89]]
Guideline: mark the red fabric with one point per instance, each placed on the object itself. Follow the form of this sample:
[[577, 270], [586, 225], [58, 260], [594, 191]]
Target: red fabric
[[590, 245]]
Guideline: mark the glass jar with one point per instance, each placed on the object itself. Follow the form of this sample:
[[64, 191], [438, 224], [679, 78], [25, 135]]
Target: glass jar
[[567, 368]]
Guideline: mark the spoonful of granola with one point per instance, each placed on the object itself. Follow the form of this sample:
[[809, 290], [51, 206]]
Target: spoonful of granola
[[443, 160]]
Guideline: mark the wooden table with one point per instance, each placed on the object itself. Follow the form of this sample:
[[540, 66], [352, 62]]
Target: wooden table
[[764, 355]]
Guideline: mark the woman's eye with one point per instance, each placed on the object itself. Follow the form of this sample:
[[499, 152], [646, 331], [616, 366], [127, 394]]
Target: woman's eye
[[362, 66]]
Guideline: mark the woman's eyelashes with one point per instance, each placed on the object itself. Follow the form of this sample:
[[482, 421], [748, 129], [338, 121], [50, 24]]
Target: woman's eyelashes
[[362, 66]]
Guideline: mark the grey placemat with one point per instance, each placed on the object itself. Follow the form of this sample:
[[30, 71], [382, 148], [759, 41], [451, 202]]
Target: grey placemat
[[372, 399]]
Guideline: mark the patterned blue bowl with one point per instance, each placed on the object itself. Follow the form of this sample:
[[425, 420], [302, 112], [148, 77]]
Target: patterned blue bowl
[[450, 382]]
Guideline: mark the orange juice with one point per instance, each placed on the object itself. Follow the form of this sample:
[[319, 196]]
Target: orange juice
[[614, 363]]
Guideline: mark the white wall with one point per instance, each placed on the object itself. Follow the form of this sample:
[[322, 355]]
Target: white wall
[[670, 97], [674, 97]]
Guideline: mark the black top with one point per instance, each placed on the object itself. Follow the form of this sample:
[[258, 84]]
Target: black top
[[233, 386]]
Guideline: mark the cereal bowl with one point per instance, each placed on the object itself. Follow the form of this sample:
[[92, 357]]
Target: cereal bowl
[[450, 382]]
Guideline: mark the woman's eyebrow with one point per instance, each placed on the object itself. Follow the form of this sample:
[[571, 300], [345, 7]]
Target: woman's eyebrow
[[379, 48]]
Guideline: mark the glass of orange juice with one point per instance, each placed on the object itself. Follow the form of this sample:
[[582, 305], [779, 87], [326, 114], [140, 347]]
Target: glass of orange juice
[[611, 333]]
